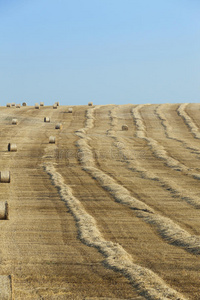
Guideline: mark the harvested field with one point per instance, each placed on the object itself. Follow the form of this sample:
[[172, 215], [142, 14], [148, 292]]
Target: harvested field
[[103, 213]]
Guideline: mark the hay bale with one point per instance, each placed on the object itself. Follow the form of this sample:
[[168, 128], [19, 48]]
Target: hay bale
[[12, 147], [4, 210], [57, 103], [18, 105], [6, 287], [58, 126], [90, 103], [8, 105], [5, 176], [24, 104], [70, 110], [41, 103], [13, 104], [37, 106], [55, 106], [47, 119], [14, 121], [52, 140], [124, 127]]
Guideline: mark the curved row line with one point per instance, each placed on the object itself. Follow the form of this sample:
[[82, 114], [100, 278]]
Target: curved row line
[[169, 130], [167, 229], [134, 165], [188, 121], [147, 282], [158, 150]]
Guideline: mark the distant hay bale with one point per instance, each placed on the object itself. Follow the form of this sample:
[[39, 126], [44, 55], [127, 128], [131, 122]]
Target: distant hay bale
[[70, 110], [18, 105], [12, 147], [37, 106], [57, 103], [58, 126], [52, 140], [47, 119], [124, 127], [24, 104], [4, 210], [41, 103], [5, 176], [90, 103], [13, 104], [14, 121], [55, 106], [8, 105]]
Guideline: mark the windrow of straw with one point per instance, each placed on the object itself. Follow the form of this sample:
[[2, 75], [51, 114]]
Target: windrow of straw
[[178, 236], [149, 285], [188, 121], [157, 149], [134, 165], [169, 132]]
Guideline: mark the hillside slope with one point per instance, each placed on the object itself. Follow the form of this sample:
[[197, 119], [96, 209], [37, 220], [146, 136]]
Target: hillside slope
[[102, 213]]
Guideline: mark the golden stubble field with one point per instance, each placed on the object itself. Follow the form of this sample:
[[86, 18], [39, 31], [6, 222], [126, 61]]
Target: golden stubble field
[[103, 213]]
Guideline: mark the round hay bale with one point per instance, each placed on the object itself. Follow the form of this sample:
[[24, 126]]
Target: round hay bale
[[14, 121], [12, 147], [5, 176], [24, 104], [70, 110], [90, 103], [58, 126], [4, 210], [46, 119], [52, 140], [8, 105], [41, 103], [57, 103], [18, 105], [124, 127], [13, 104], [37, 106], [55, 106]]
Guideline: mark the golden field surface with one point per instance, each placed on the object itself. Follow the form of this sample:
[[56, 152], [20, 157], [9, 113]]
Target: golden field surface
[[103, 213]]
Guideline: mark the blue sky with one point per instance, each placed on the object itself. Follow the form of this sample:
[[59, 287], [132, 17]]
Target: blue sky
[[105, 51]]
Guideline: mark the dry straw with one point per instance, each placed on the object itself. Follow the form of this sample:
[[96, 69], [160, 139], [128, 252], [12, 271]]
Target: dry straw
[[13, 104], [6, 287], [149, 284], [8, 105], [12, 147], [55, 106], [52, 140], [4, 210], [70, 110], [41, 103], [58, 126], [37, 106], [47, 119], [18, 105], [5, 176], [14, 121]]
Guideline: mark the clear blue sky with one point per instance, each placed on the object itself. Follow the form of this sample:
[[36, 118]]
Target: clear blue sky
[[105, 51]]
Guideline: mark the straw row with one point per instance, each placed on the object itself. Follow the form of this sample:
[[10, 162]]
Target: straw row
[[134, 165], [188, 121], [166, 228], [157, 149], [149, 285]]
